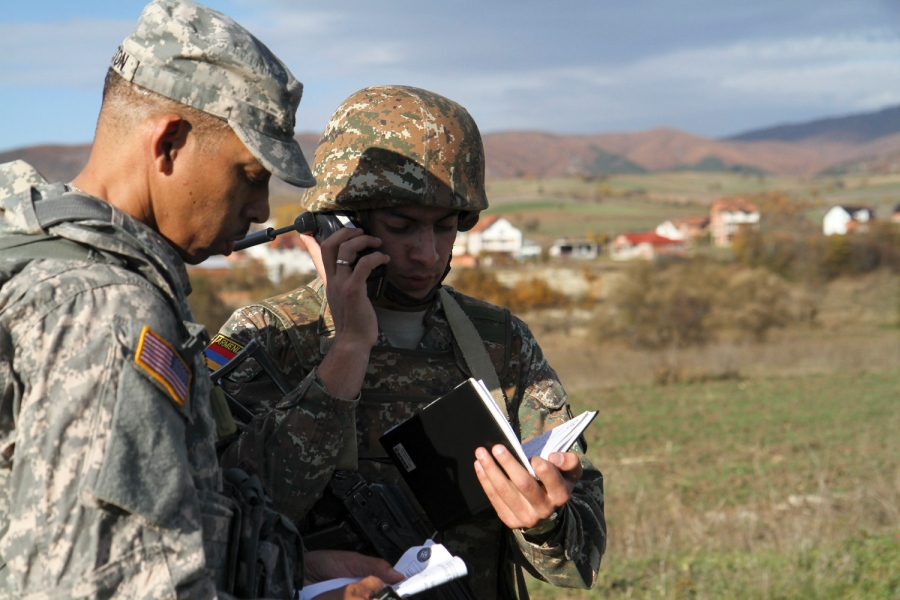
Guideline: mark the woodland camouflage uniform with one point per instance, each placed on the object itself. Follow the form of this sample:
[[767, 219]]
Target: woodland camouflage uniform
[[297, 441], [109, 481]]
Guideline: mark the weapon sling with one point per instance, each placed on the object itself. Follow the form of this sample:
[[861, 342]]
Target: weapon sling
[[479, 363]]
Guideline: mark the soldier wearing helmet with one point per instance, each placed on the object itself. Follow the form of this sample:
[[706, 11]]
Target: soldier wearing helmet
[[408, 166]]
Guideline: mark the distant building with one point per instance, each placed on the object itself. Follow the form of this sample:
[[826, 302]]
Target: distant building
[[727, 216], [530, 250], [685, 230], [492, 234], [895, 217], [281, 257], [575, 249], [647, 245], [843, 219], [215, 264]]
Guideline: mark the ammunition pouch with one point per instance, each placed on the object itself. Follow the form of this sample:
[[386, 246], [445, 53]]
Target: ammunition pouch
[[265, 551]]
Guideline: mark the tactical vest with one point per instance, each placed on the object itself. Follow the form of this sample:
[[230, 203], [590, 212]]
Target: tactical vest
[[398, 383], [251, 551]]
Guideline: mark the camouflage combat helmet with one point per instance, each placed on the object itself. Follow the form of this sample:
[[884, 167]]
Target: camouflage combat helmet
[[389, 146]]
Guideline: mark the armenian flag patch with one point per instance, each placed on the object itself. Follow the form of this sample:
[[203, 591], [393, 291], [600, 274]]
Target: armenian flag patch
[[220, 351], [164, 364]]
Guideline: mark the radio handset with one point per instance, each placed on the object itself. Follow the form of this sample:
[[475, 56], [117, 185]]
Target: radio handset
[[329, 222], [320, 226]]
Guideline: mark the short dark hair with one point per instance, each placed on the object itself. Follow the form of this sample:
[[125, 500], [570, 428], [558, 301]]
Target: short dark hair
[[125, 105]]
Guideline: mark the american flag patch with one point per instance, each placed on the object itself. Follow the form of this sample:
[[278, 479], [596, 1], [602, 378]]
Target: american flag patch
[[164, 364]]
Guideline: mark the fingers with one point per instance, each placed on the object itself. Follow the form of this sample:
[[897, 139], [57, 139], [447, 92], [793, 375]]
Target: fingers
[[387, 573], [380, 568], [361, 590], [364, 588], [355, 260], [341, 250], [567, 463], [520, 500], [332, 564]]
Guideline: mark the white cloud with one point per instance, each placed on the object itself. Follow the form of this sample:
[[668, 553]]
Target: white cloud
[[585, 66]]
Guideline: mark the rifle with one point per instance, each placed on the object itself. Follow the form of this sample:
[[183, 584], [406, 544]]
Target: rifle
[[382, 515], [255, 350]]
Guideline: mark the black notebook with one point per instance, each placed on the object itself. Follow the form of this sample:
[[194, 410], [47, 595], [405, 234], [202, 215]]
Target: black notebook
[[434, 450]]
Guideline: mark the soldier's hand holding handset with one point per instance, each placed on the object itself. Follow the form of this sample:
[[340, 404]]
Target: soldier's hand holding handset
[[356, 327]]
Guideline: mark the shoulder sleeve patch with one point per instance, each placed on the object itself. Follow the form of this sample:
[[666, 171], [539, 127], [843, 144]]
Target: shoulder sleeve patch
[[163, 363], [221, 350]]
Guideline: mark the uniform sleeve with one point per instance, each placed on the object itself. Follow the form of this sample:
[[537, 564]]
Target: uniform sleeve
[[293, 441], [100, 495], [569, 556]]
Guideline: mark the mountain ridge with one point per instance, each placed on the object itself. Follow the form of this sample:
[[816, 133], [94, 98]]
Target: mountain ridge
[[831, 145], [856, 128]]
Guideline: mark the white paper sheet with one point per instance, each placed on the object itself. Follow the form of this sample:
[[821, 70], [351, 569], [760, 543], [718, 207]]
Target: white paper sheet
[[424, 567]]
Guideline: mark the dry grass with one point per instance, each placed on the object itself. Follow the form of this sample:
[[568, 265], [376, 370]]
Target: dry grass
[[759, 470]]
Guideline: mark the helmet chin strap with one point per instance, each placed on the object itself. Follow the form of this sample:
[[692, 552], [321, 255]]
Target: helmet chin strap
[[394, 299]]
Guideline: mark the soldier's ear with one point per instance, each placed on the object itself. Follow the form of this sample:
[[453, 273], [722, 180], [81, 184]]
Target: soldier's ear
[[168, 138]]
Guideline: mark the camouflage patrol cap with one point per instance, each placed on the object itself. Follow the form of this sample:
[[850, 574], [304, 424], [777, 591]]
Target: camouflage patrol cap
[[199, 57], [390, 146]]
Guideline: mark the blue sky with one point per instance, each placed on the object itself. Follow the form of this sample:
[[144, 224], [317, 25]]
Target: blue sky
[[710, 67]]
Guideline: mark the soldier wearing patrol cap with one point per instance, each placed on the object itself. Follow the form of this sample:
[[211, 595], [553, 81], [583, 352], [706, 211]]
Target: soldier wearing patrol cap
[[408, 165], [109, 483]]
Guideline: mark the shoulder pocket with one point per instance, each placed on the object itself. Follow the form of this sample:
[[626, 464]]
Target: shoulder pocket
[[144, 463]]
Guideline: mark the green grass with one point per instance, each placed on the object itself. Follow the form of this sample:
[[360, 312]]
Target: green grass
[[773, 487], [863, 567]]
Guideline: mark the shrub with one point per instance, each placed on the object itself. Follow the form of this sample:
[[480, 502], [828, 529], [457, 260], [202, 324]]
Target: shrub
[[811, 256], [753, 302], [656, 307], [688, 303], [526, 295]]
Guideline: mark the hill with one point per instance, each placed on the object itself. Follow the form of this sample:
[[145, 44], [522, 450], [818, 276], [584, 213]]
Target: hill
[[56, 163], [536, 154], [867, 142], [854, 129]]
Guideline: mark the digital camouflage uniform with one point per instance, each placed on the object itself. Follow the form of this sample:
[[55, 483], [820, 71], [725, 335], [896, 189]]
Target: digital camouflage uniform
[[107, 459], [297, 442], [395, 146], [109, 481]]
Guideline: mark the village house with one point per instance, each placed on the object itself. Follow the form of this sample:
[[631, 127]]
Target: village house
[[530, 250], [646, 245], [492, 234], [727, 216], [575, 249], [281, 257], [687, 229], [843, 219]]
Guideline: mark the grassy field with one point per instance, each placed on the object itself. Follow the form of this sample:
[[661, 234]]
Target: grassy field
[[785, 487], [764, 488], [771, 471]]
